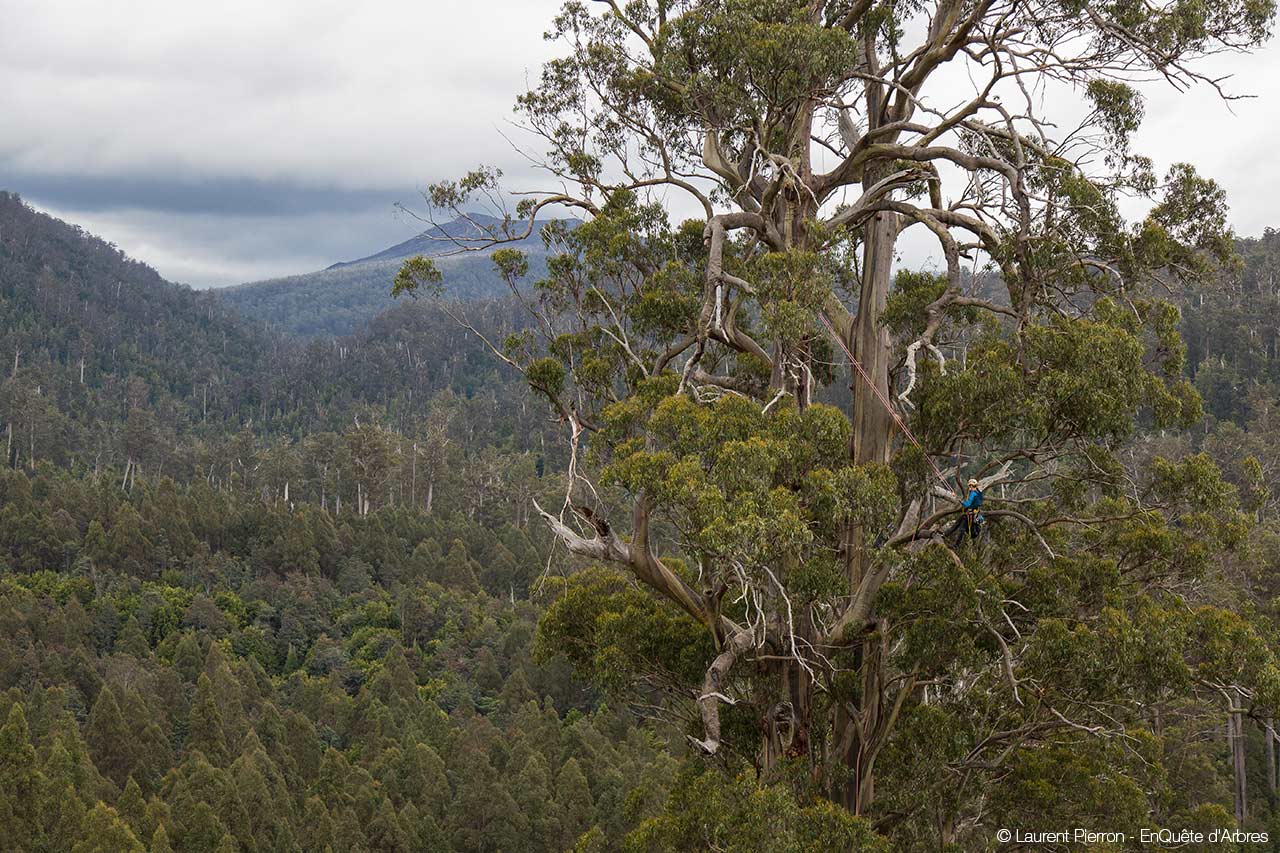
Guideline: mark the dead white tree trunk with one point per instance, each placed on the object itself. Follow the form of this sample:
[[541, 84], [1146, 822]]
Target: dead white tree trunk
[[1271, 758], [1235, 730]]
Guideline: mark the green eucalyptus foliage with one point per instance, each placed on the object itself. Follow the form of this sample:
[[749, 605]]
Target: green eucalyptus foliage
[[788, 517], [613, 633], [708, 811]]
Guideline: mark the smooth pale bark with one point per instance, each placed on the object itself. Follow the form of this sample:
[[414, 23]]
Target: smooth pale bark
[[871, 344], [870, 443], [1271, 759], [1235, 735]]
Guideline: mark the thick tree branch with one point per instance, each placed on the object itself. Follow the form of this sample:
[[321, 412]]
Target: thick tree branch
[[713, 689]]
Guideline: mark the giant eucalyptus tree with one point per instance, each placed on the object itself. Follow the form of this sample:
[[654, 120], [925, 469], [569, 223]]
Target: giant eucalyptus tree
[[700, 369]]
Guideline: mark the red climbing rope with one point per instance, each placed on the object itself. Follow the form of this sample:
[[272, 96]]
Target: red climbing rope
[[884, 401]]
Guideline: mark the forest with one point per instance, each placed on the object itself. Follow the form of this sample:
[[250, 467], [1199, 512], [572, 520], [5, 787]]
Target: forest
[[628, 527], [341, 298], [233, 568]]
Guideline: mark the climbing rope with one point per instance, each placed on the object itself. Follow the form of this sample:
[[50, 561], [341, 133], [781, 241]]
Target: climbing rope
[[884, 401]]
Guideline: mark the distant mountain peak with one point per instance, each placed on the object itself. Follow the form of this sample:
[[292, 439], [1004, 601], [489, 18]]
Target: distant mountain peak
[[450, 236], [336, 300]]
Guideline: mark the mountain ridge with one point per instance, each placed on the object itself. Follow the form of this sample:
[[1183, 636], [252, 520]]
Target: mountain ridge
[[448, 237], [336, 300]]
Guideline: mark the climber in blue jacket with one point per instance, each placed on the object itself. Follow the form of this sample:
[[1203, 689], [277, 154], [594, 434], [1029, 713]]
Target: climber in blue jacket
[[971, 519]]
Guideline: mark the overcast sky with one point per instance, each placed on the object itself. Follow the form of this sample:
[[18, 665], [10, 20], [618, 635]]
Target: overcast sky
[[232, 141]]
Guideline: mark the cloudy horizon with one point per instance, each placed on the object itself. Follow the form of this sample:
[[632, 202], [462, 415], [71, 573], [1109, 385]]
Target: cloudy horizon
[[241, 141], [247, 141]]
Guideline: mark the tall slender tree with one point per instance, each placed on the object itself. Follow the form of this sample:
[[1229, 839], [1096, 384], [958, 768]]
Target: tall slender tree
[[22, 783]]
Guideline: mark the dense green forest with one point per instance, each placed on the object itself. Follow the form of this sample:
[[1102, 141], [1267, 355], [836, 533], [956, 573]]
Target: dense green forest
[[189, 667], [662, 535], [261, 595], [340, 299], [266, 632], [256, 594]]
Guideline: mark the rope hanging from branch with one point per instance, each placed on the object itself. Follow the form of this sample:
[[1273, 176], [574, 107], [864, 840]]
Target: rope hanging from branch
[[884, 401]]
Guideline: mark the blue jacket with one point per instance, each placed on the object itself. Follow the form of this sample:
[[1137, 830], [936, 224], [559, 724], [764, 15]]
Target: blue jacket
[[973, 504]]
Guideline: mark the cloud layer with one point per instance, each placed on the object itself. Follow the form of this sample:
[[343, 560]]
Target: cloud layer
[[240, 140], [196, 136]]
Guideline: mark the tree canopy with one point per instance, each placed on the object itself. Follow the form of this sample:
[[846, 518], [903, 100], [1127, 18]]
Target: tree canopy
[[783, 503]]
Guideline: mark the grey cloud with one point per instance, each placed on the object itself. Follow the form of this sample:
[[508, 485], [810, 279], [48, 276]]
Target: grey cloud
[[215, 250], [238, 140], [214, 196]]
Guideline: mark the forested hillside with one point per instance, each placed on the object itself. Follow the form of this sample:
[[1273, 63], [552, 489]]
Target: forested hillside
[[338, 300], [260, 593], [258, 596], [727, 533], [79, 316], [1233, 341], [302, 609], [110, 367], [315, 583]]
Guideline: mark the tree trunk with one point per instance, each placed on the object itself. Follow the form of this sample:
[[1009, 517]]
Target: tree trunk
[[869, 343], [869, 443], [1235, 729], [1271, 760], [872, 424], [863, 787]]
